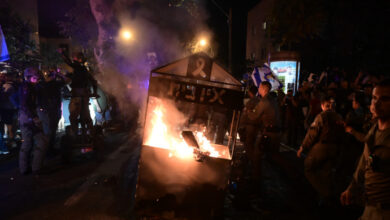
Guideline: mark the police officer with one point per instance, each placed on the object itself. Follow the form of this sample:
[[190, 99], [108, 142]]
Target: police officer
[[34, 141], [49, 103], [374, 164], [248, 128], [3, 147], [266, 116], [81, 81], [8, 108], [323, 144]]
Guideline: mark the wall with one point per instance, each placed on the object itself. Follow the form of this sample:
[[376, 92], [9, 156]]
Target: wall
[[259, 45]]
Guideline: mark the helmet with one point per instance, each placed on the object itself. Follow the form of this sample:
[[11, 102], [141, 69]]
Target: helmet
[[30, 72]]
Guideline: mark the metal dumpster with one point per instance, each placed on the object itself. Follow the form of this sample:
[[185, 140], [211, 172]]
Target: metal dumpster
[[192, 115]]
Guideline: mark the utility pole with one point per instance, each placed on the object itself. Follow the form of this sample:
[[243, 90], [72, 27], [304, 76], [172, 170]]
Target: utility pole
[[229, 19], [230, 58]]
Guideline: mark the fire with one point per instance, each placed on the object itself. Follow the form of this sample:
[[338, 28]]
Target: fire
[[161, 135], [205, 145]]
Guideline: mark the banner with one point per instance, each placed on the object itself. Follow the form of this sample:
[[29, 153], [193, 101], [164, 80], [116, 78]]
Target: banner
[[264, 73], [195, 93], [4, 56]]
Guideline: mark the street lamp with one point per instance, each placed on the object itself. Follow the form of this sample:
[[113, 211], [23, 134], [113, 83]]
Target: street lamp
[[202, 42], [126, 35]]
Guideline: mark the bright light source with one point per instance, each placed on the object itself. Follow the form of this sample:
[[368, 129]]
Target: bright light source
[[126, 35], [202, 42]]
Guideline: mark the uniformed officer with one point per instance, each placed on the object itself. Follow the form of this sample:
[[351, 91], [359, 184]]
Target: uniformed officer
[[49, 103], [248, 128], [323, 144], [34, 141], [374, 164], [266, 116]]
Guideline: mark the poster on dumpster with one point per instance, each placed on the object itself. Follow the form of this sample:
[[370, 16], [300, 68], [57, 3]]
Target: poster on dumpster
[[286, 71]]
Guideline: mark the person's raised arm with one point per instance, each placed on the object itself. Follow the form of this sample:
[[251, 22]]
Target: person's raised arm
[[66, 59], [66, 79]]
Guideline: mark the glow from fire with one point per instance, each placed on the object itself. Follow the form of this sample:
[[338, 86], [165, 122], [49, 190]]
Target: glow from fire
[[160, 135], [205, 145]]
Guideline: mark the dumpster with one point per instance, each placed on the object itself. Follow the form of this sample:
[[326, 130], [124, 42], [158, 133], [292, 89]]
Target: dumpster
[[191, 121]]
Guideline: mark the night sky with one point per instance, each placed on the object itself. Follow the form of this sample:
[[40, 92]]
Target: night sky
[[49, 13]]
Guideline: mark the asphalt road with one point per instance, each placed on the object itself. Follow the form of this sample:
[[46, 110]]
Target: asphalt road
[[102, 187]]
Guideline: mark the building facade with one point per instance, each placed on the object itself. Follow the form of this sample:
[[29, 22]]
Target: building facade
[[259, 44]]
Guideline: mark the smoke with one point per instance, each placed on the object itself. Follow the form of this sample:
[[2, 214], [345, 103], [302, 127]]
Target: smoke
[[159, 34], [177, 174], [164, 123], [169, 163], [167, 159]]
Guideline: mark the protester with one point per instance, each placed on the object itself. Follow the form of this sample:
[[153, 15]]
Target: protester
[[81, 82], [294, 121], [374, 165], [354, 147]]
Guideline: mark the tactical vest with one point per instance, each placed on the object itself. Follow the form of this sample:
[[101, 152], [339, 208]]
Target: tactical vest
[[332, 129]]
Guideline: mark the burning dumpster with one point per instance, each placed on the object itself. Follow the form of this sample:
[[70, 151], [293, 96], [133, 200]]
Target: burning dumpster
[[191, 121]]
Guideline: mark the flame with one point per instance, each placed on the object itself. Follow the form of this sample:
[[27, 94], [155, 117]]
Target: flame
[[162, 136], [205, 145]]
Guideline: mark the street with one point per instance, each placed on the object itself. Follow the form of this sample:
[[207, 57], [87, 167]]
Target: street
[[102, 187]]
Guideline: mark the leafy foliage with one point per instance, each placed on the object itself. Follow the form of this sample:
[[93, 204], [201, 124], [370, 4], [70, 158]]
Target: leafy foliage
[[50, 56], [80, 25], [190, 5], [22, 48]]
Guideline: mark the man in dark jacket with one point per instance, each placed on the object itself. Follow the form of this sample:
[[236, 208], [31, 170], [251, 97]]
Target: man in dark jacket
[[34, 141]]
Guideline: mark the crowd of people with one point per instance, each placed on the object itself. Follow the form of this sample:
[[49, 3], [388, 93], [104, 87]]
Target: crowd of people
[[32, 103], [337, 124]]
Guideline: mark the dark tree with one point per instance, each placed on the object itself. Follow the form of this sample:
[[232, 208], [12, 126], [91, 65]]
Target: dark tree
[[348, 34], [22, 48]]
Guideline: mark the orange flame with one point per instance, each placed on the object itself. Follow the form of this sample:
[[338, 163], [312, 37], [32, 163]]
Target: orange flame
[[161, 135]]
